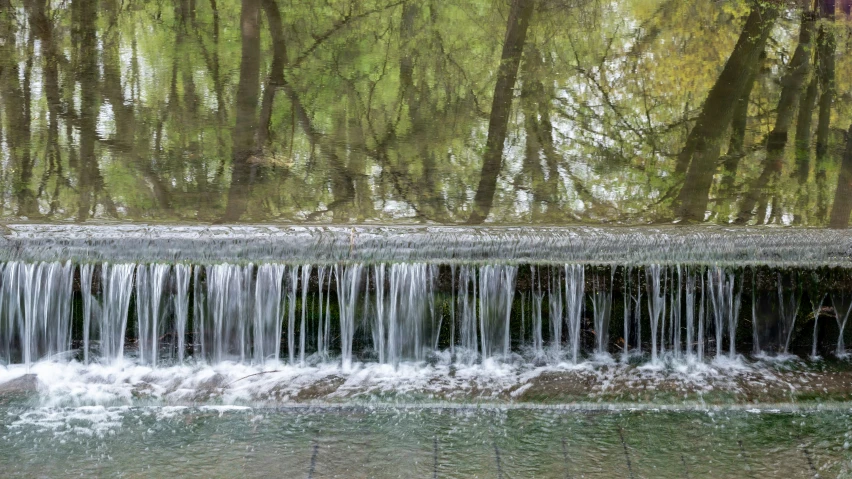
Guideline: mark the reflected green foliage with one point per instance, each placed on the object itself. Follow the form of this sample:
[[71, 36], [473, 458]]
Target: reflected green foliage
[[410, 111]]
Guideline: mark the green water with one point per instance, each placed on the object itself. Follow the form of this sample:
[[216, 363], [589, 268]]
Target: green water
[[386, 442], [551, 112]]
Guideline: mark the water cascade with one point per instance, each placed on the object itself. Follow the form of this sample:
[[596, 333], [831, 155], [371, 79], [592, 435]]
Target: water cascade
[[788, 308], [602, 310], [302, 314], [725, 298], [842, 302]]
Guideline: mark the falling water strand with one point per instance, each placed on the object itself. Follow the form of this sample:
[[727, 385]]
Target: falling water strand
[[86, 272], [655, 303], [842, 302], [574, 295], [348, 282], [181, 307]]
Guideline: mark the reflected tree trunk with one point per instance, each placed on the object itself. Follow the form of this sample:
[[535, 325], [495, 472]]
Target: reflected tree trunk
[[276, 70], [84, 15], [498, 124], [243, 172], [842, 206], [700, 155], [826, 47], [792, 84], [15, 99]]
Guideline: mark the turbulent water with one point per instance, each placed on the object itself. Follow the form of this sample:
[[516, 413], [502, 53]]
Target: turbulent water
[[95, 306]]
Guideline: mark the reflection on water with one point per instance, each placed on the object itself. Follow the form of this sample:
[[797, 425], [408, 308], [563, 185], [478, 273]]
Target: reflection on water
[[458, 111], [448, 443]]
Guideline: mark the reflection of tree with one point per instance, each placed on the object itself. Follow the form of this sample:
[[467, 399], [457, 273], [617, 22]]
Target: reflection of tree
[[245, 126], [16, 103], [700, 154], [378, 110], [842, 205], [507, 72], [791, 88]]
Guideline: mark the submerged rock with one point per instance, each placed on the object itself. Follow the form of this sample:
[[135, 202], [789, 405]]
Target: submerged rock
[[21, 387]]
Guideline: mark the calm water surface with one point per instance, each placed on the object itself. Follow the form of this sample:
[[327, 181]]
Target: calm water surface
[[460, 443], [460, 111]]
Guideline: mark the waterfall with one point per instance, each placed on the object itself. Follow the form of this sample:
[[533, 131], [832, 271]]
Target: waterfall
[[842, 302], [229, 311], [816, 308], [181, 307], [535, 315], [267, 312], [410, 312], [496, 293], [379, 319], [390, 312], [348, 282], [725, 299], [468, 302], [35, 310], [111, 324], [691, 281], [601, 310], [676, 309], [292, 289], [788, 306], [306, 277], [86, 272], [656, 299], [626, 298], [151, 282], [555, 310], [574, 295]]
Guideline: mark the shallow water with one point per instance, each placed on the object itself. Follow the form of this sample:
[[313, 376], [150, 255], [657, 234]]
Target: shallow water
[[432, 442]]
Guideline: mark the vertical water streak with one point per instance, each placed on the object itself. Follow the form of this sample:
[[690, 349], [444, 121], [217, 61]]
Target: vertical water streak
[[453, 310], [151, 282], [267, 312], [601, 310], [718, 298], [677, 308], [306, 277], [842, 303], [496, 294], [199, 312], [116, 289], [701, 311], [656, 298], [637, 310], [468, 298], [755, 331], [735, 291], [574, 299], [788, 308], [293, 288], [691, 281], [181, 307], [537, 298], [379, 319], [817, 309], [625, 288], [436, 317], [86, 273], [230, 305], [322, 347], [348, 283], [555, 310]]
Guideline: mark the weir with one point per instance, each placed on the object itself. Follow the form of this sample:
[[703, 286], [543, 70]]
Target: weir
[[183, 300]]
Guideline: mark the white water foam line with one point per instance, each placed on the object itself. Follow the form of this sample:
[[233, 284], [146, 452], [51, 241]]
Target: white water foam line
[[735, 246], [72, 384]]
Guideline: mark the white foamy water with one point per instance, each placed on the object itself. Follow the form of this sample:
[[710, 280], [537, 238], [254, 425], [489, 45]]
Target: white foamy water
[[73, 384]]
